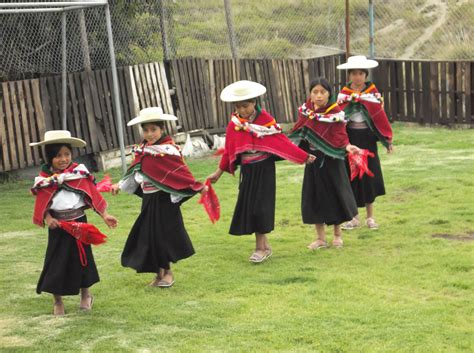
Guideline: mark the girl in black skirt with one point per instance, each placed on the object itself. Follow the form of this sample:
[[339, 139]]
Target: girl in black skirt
[[368, 124], [63, 190], [253, 139], [159, 175], [326, 196]]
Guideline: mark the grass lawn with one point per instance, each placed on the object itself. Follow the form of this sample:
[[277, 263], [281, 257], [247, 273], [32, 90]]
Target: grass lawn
[[407, 287]]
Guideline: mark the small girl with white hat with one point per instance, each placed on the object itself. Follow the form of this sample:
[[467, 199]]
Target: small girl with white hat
[[63, 191], [253, 141], [368, 123], [160, 177]]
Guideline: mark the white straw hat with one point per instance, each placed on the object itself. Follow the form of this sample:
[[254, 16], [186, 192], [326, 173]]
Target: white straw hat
[[242, 90], [59, 136], [358, 62], [149, 115]]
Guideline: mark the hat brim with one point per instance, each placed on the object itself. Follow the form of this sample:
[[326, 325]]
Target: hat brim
[[227, 94], [140, 120], [368, 64], [74, 142]]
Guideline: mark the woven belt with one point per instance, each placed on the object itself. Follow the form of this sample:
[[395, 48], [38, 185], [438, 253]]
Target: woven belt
[[67, 215], [357, 125]]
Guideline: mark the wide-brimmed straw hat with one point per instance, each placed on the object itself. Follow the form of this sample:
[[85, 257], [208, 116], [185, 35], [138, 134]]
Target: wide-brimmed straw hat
[[149, 115], [242, 90], [59, 136], [358, 62]]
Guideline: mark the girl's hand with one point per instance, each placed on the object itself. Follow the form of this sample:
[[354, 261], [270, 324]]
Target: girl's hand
[[214, 177], [110, 220], [390, 148], [352, 149], [204, 189], [115, 189], [310, 159], [51, 222]]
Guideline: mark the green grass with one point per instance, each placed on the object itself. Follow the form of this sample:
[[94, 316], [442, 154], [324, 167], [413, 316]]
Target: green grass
[[398, 289]]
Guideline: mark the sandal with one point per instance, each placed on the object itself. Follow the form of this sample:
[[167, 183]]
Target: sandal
[[371, 224], [337, 243], [318, 244], [257, 258], [352, 224], [88, 308]]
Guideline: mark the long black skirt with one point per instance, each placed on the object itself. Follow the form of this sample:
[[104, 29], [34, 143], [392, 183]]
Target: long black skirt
[[158, 236], [326, 195], [368, 188], [63, 273], [255, 208]]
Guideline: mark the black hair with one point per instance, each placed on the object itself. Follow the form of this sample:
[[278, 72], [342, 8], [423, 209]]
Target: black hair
[[363, 70], [323, 82], [160, 124], [250, 100], [52, 150]]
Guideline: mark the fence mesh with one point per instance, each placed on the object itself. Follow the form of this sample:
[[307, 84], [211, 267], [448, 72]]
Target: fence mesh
[[145, 31]]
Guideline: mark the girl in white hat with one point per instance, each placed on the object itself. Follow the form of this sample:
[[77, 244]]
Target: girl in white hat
[[253, 140], [160, 177], [368, 124], [63, 190]]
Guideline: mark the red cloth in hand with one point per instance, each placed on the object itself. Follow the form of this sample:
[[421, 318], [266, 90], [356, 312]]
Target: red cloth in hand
[[84, 232], [105, 185], [210, 202], [358, 163]]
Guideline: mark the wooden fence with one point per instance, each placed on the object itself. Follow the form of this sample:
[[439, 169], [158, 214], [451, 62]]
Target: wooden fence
[[415, 91]]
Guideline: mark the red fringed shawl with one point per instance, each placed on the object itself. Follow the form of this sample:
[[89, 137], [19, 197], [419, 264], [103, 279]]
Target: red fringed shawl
[[85, 186], [167, 172], [329, 137], [373, 106], [239, 140]]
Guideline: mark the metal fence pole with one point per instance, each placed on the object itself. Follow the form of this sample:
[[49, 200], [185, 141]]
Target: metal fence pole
[[371, 30], [347, 31], [230, 29], [64, 71], [116, 93]]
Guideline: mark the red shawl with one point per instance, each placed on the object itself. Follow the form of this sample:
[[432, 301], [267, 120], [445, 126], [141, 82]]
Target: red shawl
[[333, 134], [375, 110], [168, 172], [238, 141], [85, 186]]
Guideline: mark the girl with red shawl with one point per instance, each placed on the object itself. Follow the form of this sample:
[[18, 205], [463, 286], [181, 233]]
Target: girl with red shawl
[[160, 177], [326, 195], [367, 125], [63, 190], [253, 141]]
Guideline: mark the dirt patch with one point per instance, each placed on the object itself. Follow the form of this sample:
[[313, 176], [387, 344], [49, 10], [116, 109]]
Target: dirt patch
[[468, 237]]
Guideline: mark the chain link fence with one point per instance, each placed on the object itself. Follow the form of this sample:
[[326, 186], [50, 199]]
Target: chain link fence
[[146, 31]]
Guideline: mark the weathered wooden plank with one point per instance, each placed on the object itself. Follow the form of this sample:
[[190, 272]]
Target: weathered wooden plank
[[179, 91], [5, 165], [32, 125], [74, 106], [97, 111], [94, 140], [23, 116], [39, 113], [434, 92], [409, 90], [468, 92], [10, 126], [459, 94], [156, 96], [212, 93], [393, 91], [19, 134], [443, 93], [82, 111], [198, 118], [45, 98], [451, 101], [401, 91], [54, 89], [418, 95], [127, 106], [425, 88], [107, 92], [101, 108]]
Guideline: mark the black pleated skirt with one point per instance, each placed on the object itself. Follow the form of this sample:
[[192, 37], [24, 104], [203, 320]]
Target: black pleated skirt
[[368, 188], [327, 196], [255, 208], [63, 273], [158, 236]]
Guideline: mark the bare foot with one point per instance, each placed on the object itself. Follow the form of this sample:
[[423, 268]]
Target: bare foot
[[318, 244], [86, 302]]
